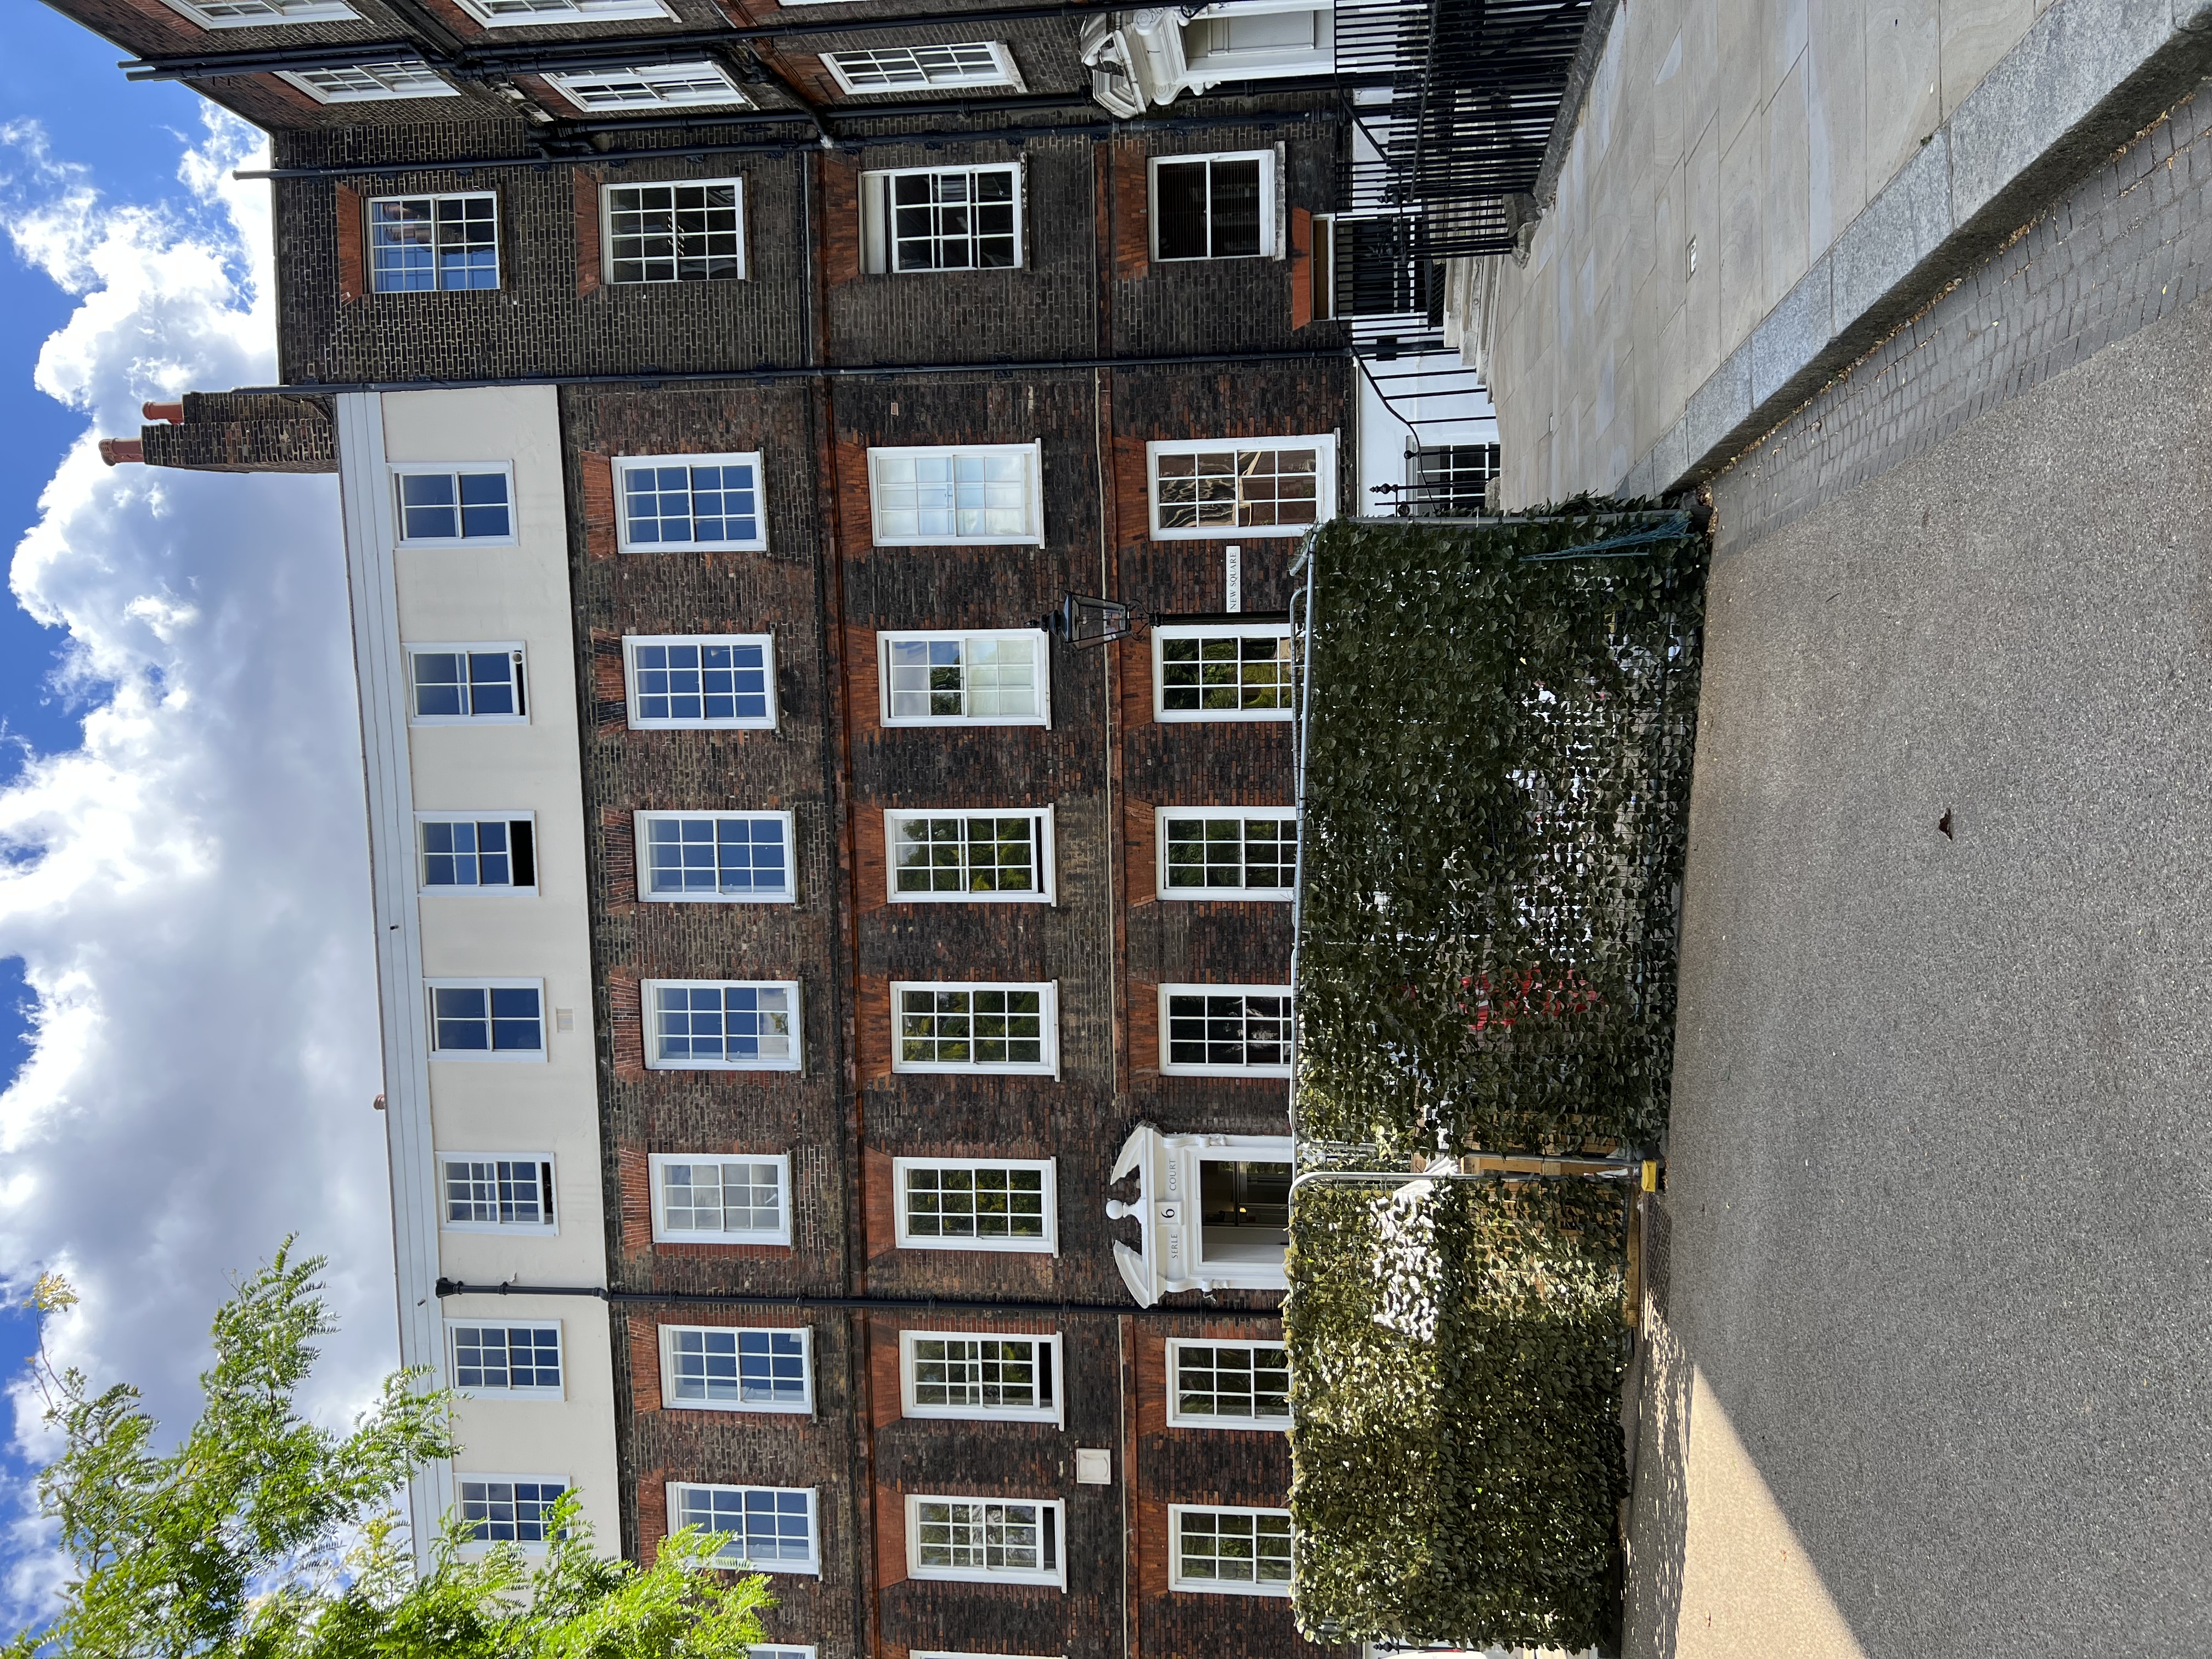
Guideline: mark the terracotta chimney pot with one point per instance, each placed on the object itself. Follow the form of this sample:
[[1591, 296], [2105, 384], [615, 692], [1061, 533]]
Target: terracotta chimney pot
[[172, 413], [117, 451]]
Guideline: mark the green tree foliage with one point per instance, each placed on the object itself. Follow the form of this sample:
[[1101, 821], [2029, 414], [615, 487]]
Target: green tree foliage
[[266, 1536], [1496, 802]]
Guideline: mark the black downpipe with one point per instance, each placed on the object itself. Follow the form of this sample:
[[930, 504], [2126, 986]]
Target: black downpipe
[[1009, 133], [656, 377], [1028, 1310]]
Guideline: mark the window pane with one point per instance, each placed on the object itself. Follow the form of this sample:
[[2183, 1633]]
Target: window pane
[[739, 1367], [1179, 204], [1249, 1382], [508, 1511], [428, 509], [730, 1024], [1236, 208], [731, 1195], [977, 1373], [494, 1357], [981, 1202], [705, 681]]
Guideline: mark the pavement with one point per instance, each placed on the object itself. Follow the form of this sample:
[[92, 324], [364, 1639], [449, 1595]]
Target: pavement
[[1928, 1367]]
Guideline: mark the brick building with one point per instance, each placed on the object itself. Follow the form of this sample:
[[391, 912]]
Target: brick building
[[814, 993]]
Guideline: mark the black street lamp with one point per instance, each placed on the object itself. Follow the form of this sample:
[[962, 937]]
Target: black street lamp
[[1083, 620]]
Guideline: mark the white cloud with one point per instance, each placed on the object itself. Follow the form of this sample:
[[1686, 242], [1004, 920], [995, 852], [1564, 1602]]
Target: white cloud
[[187, 890]]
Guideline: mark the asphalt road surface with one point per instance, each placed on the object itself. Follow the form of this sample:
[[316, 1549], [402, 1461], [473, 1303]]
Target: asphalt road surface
[[1930, 1372]]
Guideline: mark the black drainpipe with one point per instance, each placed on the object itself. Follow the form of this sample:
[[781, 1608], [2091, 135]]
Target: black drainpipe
[[446, 1287]]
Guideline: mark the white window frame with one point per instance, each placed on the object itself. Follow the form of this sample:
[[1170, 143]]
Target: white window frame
[[488, 1056], [608, 253], [384, 92], [731, 96], [1216, 1587], [668, 1334], [1323, 444], [1168, 1069], [878, 246], [1041, 830], [1179, 1419], [1164, 815], [484, 1545], [810, 1568], [484, 814], [737, 723], [1041, 644], [1003, 73], [518, 657], [757, 542], [1048, 1245], [326, 11], [642, 831], [590, 11], [1265, 158], [1048, 1063], [434, 197], [781, 1650], [664, 1234], [1052, 1507], [453, 1326], [547, 1174], [1032, 454], [795, 1062], [455, 470], [1055, 1412], [1163, 632]]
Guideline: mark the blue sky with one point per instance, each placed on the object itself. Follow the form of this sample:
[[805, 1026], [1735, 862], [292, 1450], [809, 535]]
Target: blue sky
[[183, 896]]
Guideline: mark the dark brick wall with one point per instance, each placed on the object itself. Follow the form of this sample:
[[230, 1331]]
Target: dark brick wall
[[544, 320]]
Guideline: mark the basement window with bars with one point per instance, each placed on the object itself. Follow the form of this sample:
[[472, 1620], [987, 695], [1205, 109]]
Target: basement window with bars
[[975, 1028], [1245, 487], [424, 244], [960, 1203], [715, 858], [963, 679], [962, 857], [738, 1199], [1202, 672], [363, 83], [676, 233], [1228, 1385], [984, 1539], [689, 503], [477, 853], [1233, 1552], [942, 219], [463, 685], [1213, 207], [650, 86], [764, 1528], [965, 1374], [263, 14], [721, 1025], [508, 1509], [679, 680], [497, 1192], [725, 1368], [507, 1360], [1226, 1030], [894, 69], [1226, 852]]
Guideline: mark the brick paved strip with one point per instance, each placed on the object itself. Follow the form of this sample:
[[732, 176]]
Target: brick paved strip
[[2088, 75], [2127, 244]]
